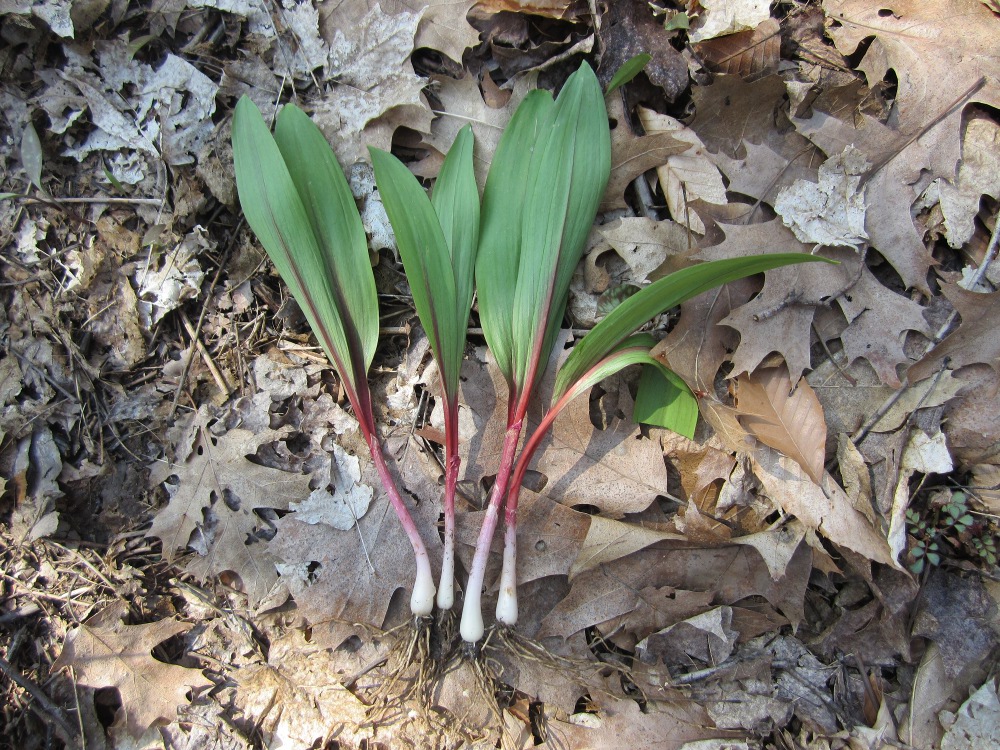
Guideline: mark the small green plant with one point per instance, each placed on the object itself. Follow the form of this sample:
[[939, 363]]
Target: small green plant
[[948, 526]]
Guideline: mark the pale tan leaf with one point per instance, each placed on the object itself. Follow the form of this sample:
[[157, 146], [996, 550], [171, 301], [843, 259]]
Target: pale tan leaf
[[685, 177], [720, 17], [105, 652], [825, 509], [788, 420], [609, 540], [749, 54], [631, 155]]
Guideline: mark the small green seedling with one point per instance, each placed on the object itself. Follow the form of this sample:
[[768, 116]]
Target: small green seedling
[[297, 201]]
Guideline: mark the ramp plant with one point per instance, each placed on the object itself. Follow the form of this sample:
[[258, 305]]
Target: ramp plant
[[437, 241], [542, 192], [297, 201], [611, 346]]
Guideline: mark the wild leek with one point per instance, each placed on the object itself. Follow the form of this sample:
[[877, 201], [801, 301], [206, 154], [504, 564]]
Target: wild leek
[[611, 346], [297, 201], [437, 241], [541, 197]]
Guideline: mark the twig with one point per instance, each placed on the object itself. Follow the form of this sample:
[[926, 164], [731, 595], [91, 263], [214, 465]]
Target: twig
[[92, 201], [51, 710], [884, 161], [201, 320], [220, 379]]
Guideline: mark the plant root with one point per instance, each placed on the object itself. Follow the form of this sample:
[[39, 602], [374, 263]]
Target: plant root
[[410, 673]]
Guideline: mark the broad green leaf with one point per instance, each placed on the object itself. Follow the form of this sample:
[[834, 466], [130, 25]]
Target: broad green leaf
[[500, 227], [426, 260], [566, 181], [658, 297], [336, 225], [456, 202], [664, 400], [679, 406], [275, 212], [629, 70]]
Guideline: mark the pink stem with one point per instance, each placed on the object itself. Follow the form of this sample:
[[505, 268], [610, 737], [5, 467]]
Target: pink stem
[[472, 617], [422, 598], [453, 462]]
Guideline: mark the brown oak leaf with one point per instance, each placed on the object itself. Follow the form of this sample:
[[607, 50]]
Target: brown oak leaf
[[105, 652]]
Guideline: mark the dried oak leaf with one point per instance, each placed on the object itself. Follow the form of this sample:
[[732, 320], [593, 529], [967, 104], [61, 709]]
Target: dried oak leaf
[[378, 90], [631, 155], [750, 54], [826, 509], [213, 503], [105, 652], [789, 420], [977, 339], [779, 319], [339, 578], [956, 43]]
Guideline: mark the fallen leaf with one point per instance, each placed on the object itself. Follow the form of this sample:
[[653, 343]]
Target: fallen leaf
[[213, 503], [789, 420], [879, 322], [631, 155], [609, 540], [105, 652], [719, 17], [779, 319], [339, 578], [825, 509], [667, 726], [167, 279], [976, 340], [685, 177], [830, 212], [750, 54], [976, 724], [645, 244], [707, 638], [377, 89], [977, 177], [348, 502]]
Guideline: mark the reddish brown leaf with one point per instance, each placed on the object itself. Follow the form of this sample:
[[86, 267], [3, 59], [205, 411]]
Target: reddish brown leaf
[[749, 54], [790, 421]]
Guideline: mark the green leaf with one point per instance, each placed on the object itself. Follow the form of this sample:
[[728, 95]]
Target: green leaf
[[629, 70], [658, 297], [500, 227], [336, 225], [664, 400], [276, 213], [426, 260], [112, 179], [677, 21], [456, 202], [566, 180]]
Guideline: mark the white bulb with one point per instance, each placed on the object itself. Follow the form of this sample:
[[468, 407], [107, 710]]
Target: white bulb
[[422, 598], [472, 628]]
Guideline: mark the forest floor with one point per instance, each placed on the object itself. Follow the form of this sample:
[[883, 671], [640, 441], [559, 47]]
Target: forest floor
[[194, 552]]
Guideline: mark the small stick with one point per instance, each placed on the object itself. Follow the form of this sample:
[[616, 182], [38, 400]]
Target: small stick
[[220, 379], [51, 710]]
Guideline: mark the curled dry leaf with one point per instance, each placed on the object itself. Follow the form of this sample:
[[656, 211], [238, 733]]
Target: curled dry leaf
[[788, 420]]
